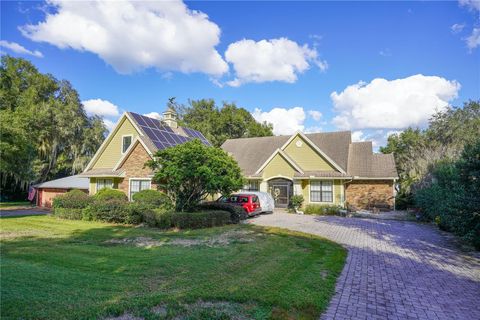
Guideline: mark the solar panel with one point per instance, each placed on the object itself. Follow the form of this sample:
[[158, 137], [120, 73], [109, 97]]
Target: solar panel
[[163, 136]]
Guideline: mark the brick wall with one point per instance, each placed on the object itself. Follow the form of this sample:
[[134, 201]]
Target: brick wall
[[370, 194], [134, 167]]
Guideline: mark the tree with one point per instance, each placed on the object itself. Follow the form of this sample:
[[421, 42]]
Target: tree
[[219, 124], [191, 171], [417, 152], [45, 132]]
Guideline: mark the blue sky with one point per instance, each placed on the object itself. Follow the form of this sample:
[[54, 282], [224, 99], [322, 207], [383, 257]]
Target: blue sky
[[370, 67]]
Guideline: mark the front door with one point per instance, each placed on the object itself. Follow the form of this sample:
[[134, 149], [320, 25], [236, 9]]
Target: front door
[[280, 195], [280, 189]]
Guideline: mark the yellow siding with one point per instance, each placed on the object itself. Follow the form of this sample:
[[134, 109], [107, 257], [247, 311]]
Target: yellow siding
[[278, 166], [306, 157], [113, 152], [93, 184], [337, 193]]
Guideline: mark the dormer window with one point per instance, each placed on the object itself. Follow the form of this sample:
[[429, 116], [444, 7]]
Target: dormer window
[[126, 142]]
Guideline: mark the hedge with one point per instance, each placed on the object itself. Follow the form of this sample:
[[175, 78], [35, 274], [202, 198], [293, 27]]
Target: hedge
[[75, 199], [153, 199], [322, 209], [115, 210], [107, 194], [68, 213], [237, 213]]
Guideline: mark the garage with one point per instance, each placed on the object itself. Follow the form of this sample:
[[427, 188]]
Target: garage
[[48, 190]]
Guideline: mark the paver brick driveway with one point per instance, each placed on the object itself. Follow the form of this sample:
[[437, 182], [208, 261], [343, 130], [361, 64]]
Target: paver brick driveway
[[394, 269]]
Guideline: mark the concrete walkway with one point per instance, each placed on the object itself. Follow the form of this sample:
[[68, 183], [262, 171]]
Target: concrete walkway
[[394, 269]]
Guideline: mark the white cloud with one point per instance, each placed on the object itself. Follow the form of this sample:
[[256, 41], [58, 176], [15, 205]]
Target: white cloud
[[316, 115], [154, 115], [358, 136], [470, 4], [284, 121], [109, 124], [17, 48], [270, 60], [134, 35], [313, 129], [457, 27], [473, 40], [101, 108], [392, 104], [385, 52]]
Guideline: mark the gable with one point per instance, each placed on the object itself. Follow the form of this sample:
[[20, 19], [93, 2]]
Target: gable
[[278, 166], [306, 157], [112, 152], [134, 164]]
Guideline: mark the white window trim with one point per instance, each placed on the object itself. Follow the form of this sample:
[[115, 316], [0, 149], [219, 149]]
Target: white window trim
[[130, 184], [321, 202], [131, 142]]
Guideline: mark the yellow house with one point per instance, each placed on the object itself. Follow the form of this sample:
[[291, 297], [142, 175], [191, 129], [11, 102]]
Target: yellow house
[[326, 168], [120, 161]]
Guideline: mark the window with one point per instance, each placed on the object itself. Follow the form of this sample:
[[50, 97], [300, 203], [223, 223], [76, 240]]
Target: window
[[137, 185], [104, 183], [321, 191], [126, 142], [252, 185]]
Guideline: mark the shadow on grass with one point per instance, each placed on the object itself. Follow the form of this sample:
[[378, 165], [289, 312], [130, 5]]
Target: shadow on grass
[[69, 269]]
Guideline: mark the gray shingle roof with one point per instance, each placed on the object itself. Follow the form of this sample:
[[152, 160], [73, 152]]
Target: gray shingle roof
[[72, 182], [356, 159]]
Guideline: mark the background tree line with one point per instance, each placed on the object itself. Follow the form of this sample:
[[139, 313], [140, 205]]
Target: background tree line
[[439, 170], [219, 123], [44, 132]]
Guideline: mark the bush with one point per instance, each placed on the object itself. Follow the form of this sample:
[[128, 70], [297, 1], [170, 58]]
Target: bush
[[107, 194], [69, 213], [237, 213], [153, 199], [200, 219], [322, 209], [157, 218], [296, 201], [73, 199], [115, 210]]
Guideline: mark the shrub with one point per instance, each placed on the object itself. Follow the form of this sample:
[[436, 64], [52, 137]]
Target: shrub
[[296, 201], [158, 218], [200, 219], [69, 213], [74, 199], [322, 209], [107, 194], [153, 199], [115, 210], [237, 213]]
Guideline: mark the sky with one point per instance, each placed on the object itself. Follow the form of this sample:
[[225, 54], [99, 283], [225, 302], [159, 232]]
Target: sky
[[374, 68]]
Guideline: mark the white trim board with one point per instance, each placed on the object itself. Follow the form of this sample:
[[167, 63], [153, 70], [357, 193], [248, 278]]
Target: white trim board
[[129, 151]]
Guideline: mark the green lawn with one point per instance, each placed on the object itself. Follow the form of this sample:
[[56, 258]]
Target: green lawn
[[57, 269], [14, 204]]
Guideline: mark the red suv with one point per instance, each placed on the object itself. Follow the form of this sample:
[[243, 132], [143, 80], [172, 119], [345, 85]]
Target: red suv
[[249, 202]]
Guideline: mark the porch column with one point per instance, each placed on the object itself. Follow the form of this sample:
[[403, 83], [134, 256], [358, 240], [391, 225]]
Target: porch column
[[263, 186], [297, 187]]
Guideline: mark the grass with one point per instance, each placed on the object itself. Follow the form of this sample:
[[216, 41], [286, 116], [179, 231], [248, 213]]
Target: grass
[[14, 204], [58, 269]]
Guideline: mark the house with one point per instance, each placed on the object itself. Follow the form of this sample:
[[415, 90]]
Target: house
[[120, 161], [326, 168], [46, 191]]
